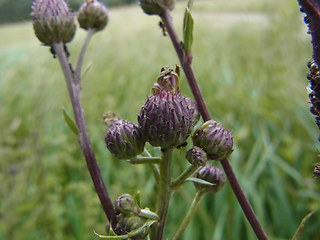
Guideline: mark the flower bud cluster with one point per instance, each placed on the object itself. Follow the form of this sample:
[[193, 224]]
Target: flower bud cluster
[[165, 120], [53, 21]]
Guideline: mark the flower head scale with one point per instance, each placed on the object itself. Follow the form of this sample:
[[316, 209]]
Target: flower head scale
[[167, 118], [53, 21]]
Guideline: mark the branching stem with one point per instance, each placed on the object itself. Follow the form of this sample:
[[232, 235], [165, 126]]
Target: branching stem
[[84, 140], [182, 177], [187, 68], [90, 33], [144, 160]]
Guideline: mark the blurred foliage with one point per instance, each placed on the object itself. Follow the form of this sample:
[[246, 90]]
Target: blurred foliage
[[19, 10], [250, 58]]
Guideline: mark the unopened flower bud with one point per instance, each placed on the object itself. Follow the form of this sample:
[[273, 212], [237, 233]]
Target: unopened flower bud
[[93, 15], [167, 118], [156, 7], [196, 156], [212, 175], [132, 222], [126, 204], [124, 139], [53, 21], [214, 140]]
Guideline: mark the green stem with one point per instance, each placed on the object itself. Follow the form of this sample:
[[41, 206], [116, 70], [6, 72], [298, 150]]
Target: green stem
[[164, 191], [199, 195], [154, 167], [183, 176], [144, 160], [90, 33]]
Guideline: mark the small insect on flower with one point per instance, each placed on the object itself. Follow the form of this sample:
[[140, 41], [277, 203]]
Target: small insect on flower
[[316, 170], [163, 28]]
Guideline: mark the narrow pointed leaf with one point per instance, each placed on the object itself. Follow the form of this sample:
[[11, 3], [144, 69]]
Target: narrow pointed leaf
[[190, 4], [146, 213], [187, 31], [299, 232], [199, 181], [137, 198], [147, 224], [70, 122]]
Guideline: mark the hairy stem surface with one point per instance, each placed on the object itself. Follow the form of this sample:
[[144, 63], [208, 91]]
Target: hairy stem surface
[[185, 61], [84, 140], [81, 56], [164, 191], [189, 215]]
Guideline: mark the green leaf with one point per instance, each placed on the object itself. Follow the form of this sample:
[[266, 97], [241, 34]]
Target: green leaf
[[190, 4], [137, 198], [70, 122], [200, 181], [187, 31], [146, 213], [299, 232], [147, 224]]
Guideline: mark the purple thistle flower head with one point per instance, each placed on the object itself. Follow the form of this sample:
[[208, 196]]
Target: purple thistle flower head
[[167, 118], [53, 21]]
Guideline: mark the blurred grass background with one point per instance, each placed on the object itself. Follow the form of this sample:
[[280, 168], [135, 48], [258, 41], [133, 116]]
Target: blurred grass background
[[250, 59]]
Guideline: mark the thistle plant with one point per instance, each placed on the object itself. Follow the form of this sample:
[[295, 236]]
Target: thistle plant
[[167, 121]]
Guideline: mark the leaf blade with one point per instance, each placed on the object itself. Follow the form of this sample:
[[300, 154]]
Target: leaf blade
[[70, 122], [188, 31]]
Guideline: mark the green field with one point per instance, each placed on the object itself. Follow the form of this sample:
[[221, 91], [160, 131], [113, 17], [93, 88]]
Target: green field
[[250, 58]]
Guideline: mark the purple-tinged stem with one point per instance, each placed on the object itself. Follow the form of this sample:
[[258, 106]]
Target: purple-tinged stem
[[187, 68], [84, 140]]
